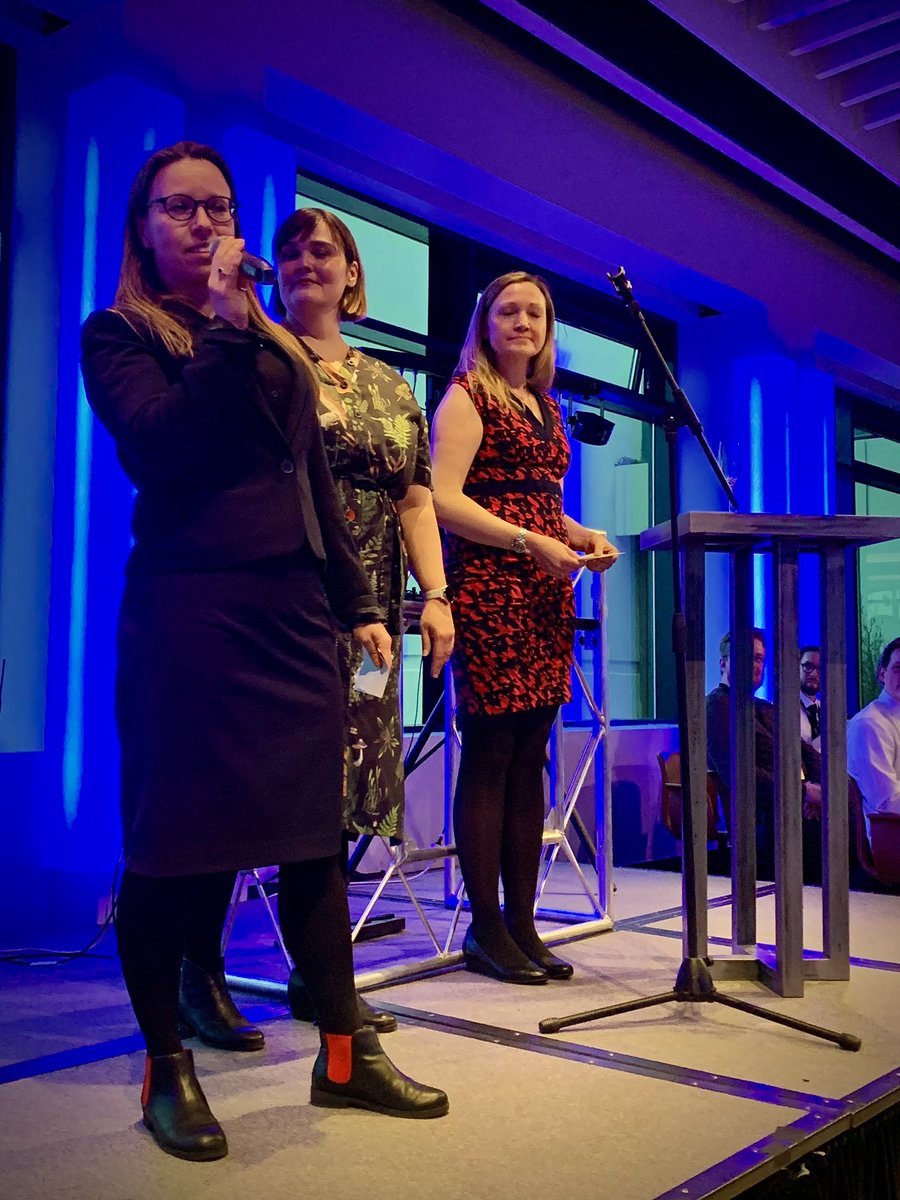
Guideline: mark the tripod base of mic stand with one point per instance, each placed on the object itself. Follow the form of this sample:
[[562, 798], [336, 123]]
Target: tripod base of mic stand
[[694, 985]]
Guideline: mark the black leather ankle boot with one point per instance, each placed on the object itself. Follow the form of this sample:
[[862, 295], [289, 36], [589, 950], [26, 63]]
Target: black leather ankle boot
[[207, 1010], [302, 1008], [354, 1072], [176, 1112]]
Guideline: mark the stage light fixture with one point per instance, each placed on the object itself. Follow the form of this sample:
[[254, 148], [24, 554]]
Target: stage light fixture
[[590, 428]]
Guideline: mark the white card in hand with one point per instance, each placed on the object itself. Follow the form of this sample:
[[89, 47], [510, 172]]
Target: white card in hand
[[369, 679]]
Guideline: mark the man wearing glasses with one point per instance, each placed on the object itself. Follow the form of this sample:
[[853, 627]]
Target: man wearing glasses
[[810, 709], [718, 741]]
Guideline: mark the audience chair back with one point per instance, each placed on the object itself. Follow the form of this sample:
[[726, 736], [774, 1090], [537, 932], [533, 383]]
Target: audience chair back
[[884, 829], [671, 799], [880, 855]]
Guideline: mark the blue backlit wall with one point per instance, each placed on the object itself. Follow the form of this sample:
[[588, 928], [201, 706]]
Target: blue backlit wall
[[783, 421], [265, 174], [700, 238], [66, 835], [111, 127]]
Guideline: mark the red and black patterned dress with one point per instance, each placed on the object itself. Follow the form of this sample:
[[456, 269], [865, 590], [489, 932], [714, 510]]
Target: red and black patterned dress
[[515, 624]]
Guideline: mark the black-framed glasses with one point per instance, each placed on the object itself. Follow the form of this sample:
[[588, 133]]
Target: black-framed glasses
[[219, 209]]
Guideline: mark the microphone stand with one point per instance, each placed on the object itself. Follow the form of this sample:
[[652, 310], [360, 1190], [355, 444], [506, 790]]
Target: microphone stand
[[694, 983]]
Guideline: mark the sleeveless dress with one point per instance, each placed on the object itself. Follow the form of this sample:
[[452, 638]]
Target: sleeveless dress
[[515, 624]]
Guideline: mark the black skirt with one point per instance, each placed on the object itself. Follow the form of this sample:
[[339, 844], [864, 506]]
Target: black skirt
[[231, 719]]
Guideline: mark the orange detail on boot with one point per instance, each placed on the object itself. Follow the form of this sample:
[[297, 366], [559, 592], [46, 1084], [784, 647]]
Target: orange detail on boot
[[145, 1090], [340, 1057]]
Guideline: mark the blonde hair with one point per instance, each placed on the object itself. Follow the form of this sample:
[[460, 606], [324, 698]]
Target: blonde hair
[[301, 224], [477, 361], [140, 293]]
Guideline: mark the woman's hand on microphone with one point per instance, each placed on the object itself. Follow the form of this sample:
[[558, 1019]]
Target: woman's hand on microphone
[[551, 555], [376, 639], [227, 285]]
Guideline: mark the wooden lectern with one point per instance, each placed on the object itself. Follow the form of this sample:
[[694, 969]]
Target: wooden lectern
[[784, 537]]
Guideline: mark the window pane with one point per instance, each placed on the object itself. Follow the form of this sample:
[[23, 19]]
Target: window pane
[[595, 356], [876, 451], [616, 495], [879, 588]]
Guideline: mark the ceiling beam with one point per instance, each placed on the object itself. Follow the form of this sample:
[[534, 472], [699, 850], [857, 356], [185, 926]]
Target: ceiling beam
[[883, 111], [871, 80], [840, 23], [856, 51], [777, 13]]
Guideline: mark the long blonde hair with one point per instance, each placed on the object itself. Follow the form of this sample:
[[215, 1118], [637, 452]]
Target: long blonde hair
[[477, 361], [140, 293]]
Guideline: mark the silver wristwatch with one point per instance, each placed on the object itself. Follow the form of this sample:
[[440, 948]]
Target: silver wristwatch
[[518, 545], [441, 594]]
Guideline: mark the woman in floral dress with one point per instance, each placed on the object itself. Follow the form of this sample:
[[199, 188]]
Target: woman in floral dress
[[376, 439]]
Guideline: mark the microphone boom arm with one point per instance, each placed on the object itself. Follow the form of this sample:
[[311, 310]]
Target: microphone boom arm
[[687, 413]]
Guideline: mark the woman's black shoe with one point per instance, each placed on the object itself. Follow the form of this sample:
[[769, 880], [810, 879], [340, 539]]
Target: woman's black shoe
[[360, 1075], [302, 1008], [480, 961], [176, 1111], [374, 1018], [532, 946], [556, 968], [207, 1010]]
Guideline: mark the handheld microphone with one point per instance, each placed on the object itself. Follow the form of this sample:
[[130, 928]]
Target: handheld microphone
[[259, 269]]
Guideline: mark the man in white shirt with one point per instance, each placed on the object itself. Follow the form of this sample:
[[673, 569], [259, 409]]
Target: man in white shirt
[[810, 710], [873, 739]]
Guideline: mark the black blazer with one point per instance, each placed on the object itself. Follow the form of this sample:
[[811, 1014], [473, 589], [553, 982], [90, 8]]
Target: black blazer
[[718, 746], [218, 482]]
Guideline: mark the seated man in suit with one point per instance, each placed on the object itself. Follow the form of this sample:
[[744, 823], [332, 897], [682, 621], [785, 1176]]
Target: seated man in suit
[[873, 739], [718, 738]]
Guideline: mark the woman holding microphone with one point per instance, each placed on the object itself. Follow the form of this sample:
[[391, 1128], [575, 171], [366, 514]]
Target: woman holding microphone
[[228, 695]]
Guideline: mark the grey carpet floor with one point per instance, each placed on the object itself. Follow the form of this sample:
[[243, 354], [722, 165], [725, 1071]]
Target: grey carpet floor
[[629, 1108]]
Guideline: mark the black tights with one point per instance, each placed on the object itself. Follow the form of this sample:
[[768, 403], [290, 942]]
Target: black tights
[[161, 920], [498, 823]]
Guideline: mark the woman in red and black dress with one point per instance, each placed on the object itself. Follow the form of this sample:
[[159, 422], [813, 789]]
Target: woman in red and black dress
[[499, 455]]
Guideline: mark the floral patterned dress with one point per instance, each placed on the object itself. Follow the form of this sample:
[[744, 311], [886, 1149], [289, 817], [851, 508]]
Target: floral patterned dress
[[375, 457], [515, 624]]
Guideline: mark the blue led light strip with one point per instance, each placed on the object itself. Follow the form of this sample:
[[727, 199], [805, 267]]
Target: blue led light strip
[[756, 497], [73, 744]]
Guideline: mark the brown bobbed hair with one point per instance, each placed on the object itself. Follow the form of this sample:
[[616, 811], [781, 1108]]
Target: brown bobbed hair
[[302, 224], [477, 360], [140, 294]]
